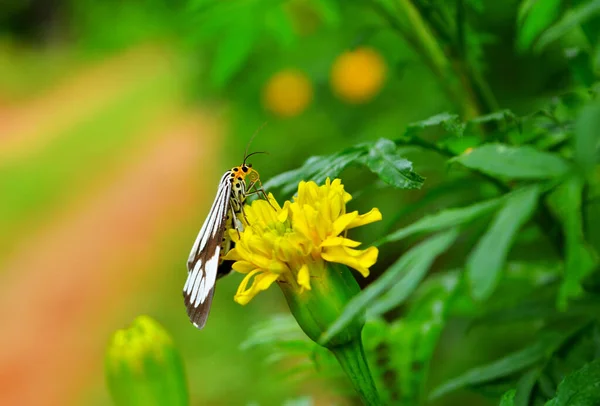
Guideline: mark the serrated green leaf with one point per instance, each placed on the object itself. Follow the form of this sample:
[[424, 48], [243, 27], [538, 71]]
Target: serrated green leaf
[[534, 18], [511, 363], [569, 20], [514, 162], [232, 53], [412, 340], [581, 388], [451, 122], [395, 274], [587, 137], [580, 259], [384, 160], [317, 169], [443, 220], [502, 115], [487, 259]]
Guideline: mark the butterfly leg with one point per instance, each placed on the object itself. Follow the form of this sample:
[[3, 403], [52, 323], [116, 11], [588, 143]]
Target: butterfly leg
[[259, 190], [235, 222]]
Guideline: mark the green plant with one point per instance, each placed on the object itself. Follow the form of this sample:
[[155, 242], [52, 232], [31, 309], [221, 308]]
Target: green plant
[[490, 284]]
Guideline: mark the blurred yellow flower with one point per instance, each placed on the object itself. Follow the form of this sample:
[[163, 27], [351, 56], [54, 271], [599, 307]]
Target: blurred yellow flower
[[358, 75], [287, 93], [291, 245]]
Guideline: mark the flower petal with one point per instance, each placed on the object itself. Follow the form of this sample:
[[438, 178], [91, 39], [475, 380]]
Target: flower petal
[[333, 241], [261, 282], [304, 278], [342, 222], [360, 260], [234, 235], [233, 255], [370, 217], [241, 266]]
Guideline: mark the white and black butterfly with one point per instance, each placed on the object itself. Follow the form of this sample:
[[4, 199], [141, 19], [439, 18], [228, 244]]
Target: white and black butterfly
[[205, 263]]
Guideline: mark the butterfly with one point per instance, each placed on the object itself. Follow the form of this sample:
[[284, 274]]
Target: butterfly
[[205, 264]]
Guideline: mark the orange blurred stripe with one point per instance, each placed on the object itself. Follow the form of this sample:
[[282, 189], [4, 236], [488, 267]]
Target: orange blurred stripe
[[30, 126], [65, 274]]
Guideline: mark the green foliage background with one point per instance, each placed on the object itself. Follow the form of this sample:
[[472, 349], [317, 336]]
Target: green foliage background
[[481, 151]]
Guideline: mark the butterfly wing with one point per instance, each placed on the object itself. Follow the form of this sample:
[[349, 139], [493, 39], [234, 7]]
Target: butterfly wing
[[203, 261]]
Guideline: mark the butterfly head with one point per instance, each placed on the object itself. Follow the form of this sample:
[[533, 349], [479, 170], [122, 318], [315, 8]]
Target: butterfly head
[[245, 169], [240, 172]]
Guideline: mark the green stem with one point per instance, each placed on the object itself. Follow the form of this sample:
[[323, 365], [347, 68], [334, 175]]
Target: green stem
[[464, 87], [351, 357]]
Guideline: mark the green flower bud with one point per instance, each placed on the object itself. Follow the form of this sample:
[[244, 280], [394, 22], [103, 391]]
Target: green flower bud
[[143, 367], [316, 309]]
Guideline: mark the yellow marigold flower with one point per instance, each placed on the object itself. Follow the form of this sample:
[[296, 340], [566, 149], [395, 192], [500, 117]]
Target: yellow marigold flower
[[357, 76], [292, 245], [287, 93], [303, 247]]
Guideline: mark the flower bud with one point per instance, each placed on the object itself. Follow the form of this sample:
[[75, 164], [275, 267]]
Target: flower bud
[[316, 309], [143, 367]]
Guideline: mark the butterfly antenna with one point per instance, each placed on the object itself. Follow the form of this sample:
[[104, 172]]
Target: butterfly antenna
[[254, 153], [252, 139]]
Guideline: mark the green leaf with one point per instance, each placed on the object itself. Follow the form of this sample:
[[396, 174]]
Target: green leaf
[[511, 363], [232, 53], [328, 10], [569, 20], [385, 161], [378, 156], [502, 115], [581, 388], [280, 26], [534, 17], [317, 169], [525, 386], [487, 259], [580, 65], [514, 162], [280, 327], [580, 259], [508, 399], [408, 344], [412, 340], [398, 273], [443, 220], [450, 122], [415, 264], [587, 137]]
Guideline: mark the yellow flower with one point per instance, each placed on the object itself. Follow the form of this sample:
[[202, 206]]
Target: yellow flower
[[292, 245], [303, 247]]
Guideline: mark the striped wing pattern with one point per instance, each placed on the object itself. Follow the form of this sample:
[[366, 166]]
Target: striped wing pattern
[[203, 261]]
